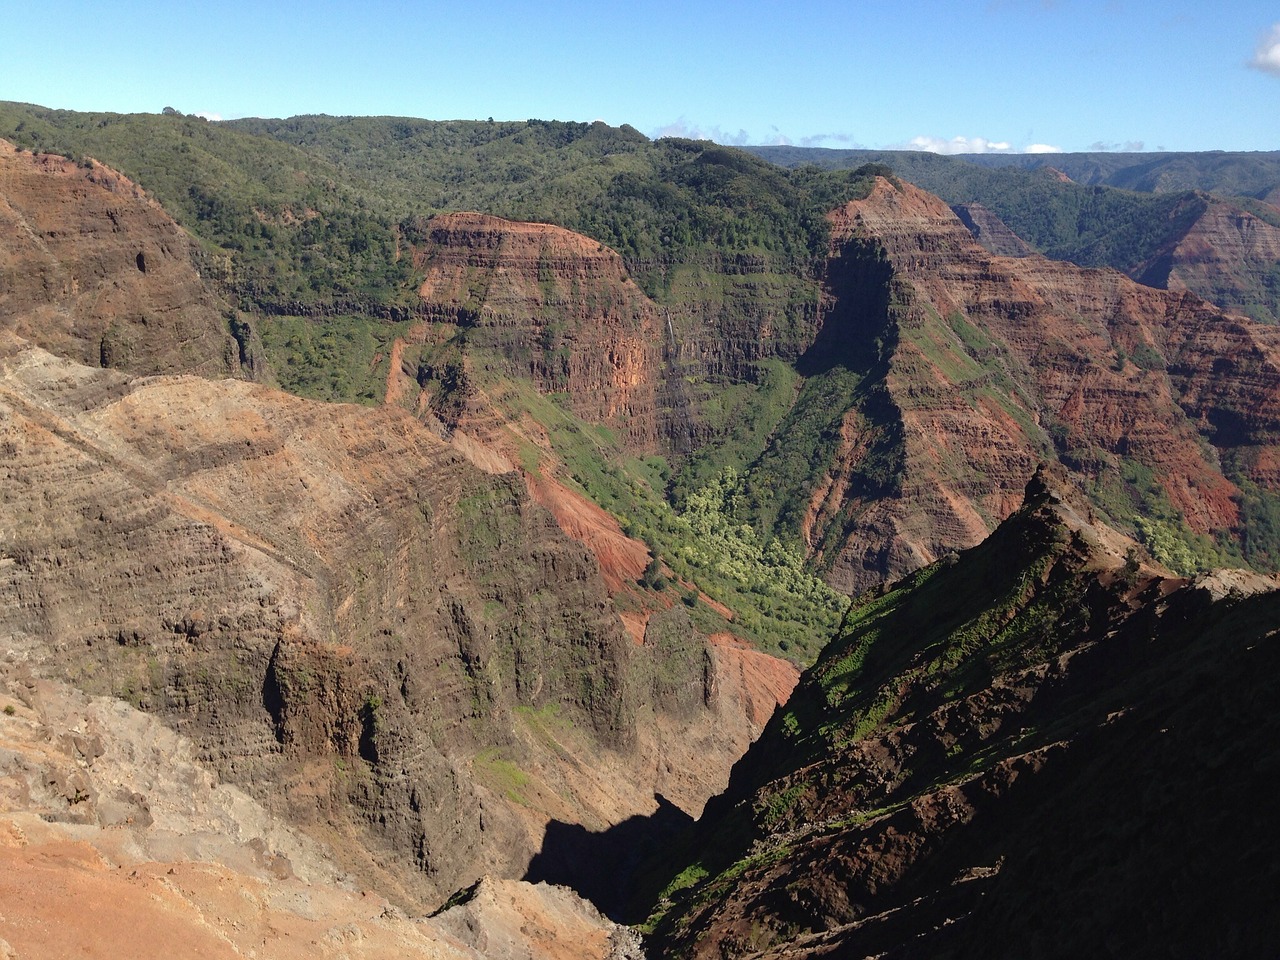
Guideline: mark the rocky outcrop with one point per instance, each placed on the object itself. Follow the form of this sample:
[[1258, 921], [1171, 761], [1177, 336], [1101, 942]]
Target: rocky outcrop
[[1041, 729], [982, 366], [507, 920], [94, 270]]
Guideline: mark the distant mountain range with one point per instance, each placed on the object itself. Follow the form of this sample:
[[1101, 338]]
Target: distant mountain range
[[1252, 174]]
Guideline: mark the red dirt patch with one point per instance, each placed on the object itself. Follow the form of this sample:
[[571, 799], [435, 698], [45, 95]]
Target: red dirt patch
[[766, 681], [622, 560]]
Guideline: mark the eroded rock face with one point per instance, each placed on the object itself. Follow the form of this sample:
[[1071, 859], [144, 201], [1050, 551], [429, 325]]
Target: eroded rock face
[[1228, 256], [983, 366], [94, 270], [394, 649], [336, 606], [556, 307]]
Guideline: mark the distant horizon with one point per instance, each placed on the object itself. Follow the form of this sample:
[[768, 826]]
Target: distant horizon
[[997, 77], [1010, 154]]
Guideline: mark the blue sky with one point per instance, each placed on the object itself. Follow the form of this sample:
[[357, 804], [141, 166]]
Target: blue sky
[[990, 74]]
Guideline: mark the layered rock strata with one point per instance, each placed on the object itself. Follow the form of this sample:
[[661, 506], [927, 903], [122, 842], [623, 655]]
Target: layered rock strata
[[387, 646], [981, 366], [1228, 255], [554, 307], [92, 269]]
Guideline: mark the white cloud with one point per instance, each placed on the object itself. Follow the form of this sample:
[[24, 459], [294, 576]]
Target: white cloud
[[818, 139], [207, 115], [1267, 57], [683, 128], [1129, 146], [957, 145], [970, 145]]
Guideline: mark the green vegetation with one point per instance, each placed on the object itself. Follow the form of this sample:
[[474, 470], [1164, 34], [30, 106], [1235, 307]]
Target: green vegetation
[[342, 358], [707, 540], [1132, 500], [1086, 223], [319, 211], [501, 775], [1259, 520]]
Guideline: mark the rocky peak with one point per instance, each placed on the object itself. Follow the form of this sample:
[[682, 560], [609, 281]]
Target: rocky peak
[[1034, 700]]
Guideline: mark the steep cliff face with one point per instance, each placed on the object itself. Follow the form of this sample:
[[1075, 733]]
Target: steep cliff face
[[1228, 256], [987, 365], [551, 306], [1040, 731], [389, 647], [96, 271]]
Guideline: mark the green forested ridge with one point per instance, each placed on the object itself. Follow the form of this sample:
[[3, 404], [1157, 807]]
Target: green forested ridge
[[312, 210], [284, 228], [1226, 173]]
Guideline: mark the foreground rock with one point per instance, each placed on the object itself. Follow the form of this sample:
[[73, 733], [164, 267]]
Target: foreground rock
[[1043, 747], [116, 841]]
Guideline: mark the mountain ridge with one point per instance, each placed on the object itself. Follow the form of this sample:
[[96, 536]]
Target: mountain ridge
[[983, 719]]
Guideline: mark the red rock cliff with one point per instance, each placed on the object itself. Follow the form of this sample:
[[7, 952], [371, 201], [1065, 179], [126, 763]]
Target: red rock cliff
[[556, 307], [991, 357], [93, 270]]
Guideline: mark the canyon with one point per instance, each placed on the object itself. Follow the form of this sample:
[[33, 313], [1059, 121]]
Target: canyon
[[412, 676], [393, 650], [991, 364]]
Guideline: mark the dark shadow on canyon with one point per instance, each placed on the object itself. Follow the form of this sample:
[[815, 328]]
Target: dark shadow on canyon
[[605, 867]]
